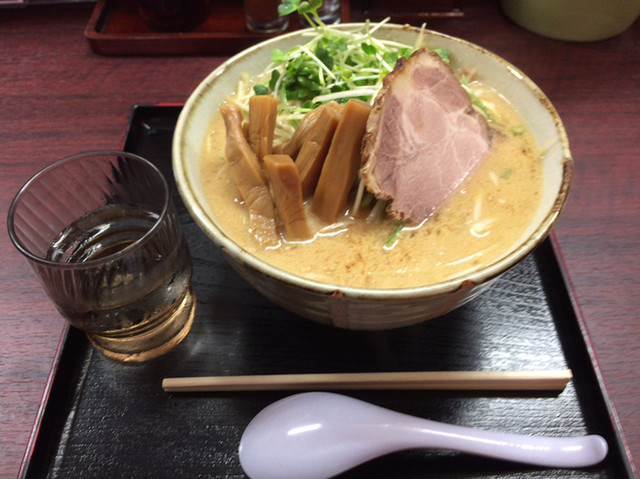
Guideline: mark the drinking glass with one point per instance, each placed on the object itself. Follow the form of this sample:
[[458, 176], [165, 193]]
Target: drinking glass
[[330, 12], [262, 16], [100, 232]]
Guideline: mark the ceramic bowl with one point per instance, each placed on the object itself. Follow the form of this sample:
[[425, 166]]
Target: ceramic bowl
[[573, 20], [361, 308]]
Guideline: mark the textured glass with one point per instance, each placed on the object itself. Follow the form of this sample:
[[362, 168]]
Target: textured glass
[[101, 234]]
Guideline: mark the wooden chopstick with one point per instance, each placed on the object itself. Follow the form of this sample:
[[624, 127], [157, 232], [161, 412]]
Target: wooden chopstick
[[550, 380]]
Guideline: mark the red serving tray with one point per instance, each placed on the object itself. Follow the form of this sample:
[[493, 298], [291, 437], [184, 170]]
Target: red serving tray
[[116, 28]]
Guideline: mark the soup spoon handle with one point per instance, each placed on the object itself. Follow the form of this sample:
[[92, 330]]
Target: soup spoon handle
[[562, 452]]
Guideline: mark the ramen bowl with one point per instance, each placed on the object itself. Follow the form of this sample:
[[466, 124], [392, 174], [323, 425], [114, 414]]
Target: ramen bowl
[[363, 308]]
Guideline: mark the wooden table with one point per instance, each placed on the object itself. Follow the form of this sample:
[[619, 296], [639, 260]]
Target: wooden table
[[59, 98]]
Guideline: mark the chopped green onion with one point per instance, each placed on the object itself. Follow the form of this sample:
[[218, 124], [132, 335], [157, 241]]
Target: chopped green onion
[[395, 233], [518, 130], [443, 53], [474, 98], [506, 174]]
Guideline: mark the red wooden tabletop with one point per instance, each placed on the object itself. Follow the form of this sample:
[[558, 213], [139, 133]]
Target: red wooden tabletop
[[58, 98]]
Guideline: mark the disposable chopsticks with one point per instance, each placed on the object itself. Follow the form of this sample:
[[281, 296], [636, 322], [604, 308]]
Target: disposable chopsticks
[[541, 380]]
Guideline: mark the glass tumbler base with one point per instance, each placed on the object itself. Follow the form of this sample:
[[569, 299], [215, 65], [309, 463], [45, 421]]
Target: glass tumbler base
[[155, 339]]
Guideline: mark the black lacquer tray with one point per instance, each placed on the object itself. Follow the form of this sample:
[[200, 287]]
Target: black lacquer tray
[[104, 419]]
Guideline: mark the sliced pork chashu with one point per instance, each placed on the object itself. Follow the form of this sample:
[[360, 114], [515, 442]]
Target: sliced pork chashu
[[422, 139]]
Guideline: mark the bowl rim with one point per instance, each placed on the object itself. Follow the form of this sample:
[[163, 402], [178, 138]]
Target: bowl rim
[[478, 276]]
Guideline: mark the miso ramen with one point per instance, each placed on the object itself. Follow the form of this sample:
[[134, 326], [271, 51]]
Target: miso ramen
[[485, 217]]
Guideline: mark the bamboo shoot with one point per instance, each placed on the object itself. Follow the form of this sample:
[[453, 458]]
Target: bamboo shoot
[[263, 110], [249, 177], [314, 149], [340, 168], [292, 148], [287, 194]]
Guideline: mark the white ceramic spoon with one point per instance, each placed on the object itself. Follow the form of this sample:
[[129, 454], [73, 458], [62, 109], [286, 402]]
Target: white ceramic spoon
[[319, 435]]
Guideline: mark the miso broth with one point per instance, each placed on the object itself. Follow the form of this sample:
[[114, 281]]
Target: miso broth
[[486, 217]]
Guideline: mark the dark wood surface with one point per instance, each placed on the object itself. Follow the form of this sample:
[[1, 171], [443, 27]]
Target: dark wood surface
[[57, 98]]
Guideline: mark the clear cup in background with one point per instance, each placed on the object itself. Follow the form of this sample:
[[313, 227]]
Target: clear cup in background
[[330, 12], [262, 16], [101, 234]]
